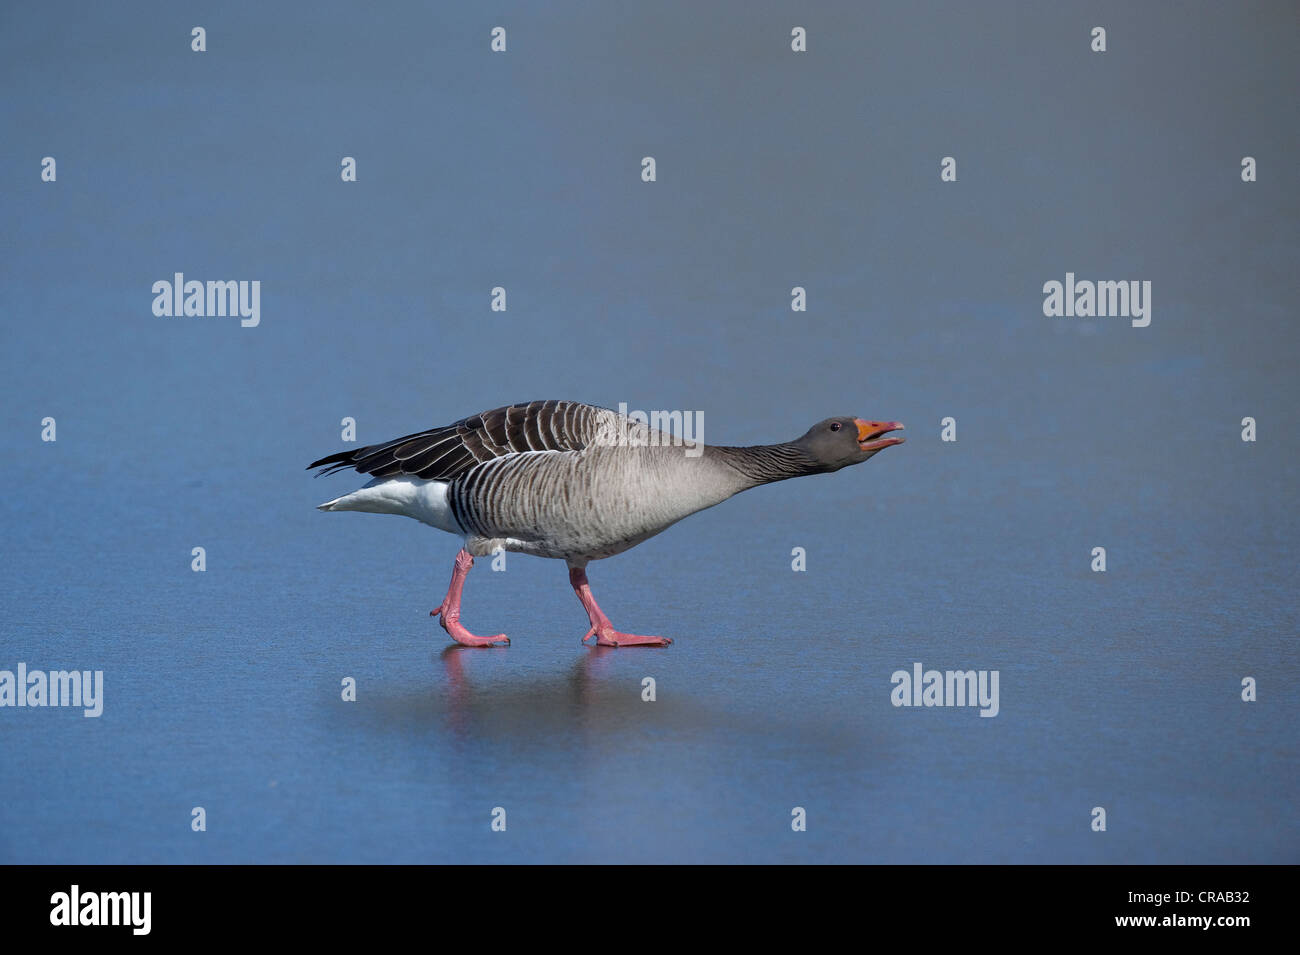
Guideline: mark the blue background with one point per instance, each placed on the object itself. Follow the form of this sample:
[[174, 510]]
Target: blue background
[[775, 169]]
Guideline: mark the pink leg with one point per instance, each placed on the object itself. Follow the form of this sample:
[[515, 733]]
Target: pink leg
[[606, 635], [450, 607]]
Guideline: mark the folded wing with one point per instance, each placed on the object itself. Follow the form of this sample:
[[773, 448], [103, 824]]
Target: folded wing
[[442, 454]]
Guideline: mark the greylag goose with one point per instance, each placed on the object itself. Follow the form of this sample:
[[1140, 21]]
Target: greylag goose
[[574, 482]]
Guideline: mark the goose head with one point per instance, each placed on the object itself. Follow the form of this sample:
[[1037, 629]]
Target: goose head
[[838, 442]]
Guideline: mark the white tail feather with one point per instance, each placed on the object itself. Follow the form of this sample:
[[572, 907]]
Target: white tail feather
[[426, 501]]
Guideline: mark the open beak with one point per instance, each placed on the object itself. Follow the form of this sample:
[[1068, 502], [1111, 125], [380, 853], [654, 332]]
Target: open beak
[[871, 434]]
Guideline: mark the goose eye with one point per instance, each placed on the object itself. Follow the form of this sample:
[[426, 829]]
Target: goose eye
[[835, 426]]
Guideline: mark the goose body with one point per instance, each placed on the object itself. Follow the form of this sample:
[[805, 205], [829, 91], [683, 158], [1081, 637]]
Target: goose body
[[574, 482]]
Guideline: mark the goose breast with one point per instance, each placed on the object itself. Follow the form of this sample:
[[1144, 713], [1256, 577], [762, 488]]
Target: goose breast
[[583, 505]]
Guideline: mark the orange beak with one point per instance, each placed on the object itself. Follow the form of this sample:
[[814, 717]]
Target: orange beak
[[871, 434]]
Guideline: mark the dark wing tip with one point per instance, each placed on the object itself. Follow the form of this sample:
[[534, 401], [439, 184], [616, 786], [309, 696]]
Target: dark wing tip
[[332, 463]]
